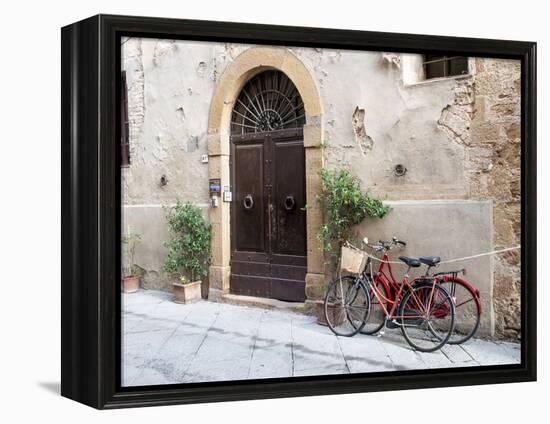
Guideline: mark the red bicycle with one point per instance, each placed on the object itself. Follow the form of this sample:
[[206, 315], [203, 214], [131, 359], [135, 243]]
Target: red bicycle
[[465, 297], [423, 310]]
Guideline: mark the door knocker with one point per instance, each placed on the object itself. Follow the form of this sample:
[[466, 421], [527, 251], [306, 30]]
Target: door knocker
[[248, 201], [289, 203]]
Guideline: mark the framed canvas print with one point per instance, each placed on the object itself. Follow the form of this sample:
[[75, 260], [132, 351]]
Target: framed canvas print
[[254, 211]]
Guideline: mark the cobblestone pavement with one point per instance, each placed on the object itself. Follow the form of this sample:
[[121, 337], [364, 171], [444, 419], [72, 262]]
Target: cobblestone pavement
[[164, 342]]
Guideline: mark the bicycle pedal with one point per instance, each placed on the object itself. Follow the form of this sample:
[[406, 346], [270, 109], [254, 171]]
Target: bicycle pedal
[[381, 334], [391, 324]]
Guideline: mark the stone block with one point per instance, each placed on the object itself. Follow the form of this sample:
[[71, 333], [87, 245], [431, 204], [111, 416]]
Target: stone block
[[313, 135], [219, 278], [315, 286], [218, 144]]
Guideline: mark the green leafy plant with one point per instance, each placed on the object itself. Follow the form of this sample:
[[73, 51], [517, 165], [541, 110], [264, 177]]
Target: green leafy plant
[[189, 244], [344, 205], [129, 242]]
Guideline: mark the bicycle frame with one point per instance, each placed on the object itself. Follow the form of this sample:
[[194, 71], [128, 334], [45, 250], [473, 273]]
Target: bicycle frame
[[390, 314], [390, 282]]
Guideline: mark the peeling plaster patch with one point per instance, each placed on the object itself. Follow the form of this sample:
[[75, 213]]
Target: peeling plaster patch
[[202, 67], [192, 143], [136, 90], [455, 123], [323, 76], [214, 75], [456, 118], [162, 49], [181, 112], [362, 139], [335, 57], [230, 50], [312, 56], [392, 59]]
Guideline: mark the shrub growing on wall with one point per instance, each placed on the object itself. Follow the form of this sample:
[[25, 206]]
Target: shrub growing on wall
[[189, 244], [344, 205]]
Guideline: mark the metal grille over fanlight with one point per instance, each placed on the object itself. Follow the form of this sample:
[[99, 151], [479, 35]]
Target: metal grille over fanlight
[[268, 102]]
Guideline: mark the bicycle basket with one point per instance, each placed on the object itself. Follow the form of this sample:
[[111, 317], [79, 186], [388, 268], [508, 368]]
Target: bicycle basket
[[352, 260]]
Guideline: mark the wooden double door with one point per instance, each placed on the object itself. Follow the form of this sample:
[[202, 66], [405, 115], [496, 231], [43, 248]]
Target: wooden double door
[[268, 217]]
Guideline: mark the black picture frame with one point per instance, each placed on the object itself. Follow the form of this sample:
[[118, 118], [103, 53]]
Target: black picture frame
[[91, 210]]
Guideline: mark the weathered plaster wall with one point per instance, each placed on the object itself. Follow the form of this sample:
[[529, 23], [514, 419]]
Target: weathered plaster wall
[[373, 123], [457, 138], [170, 85]]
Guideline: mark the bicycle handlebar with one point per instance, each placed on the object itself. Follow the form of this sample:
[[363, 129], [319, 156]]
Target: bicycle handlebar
[[388, 244]]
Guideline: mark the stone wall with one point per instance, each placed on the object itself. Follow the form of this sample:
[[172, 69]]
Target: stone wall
[[485, 118]]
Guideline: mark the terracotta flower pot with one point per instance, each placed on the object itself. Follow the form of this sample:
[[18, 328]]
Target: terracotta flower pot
[[187, 293], [130, 284], [336, 313]]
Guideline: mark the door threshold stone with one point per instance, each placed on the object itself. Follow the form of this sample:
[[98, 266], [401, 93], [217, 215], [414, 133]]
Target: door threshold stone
[[261, 302]]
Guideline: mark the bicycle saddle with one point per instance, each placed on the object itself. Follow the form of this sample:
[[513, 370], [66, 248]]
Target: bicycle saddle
[[414, 263], [430, 260]]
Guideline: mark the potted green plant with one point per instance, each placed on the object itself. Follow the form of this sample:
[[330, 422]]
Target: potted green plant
[[131, 272], [188, 253], [344, 206]]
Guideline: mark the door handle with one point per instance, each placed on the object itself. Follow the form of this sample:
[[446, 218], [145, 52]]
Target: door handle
[[289, 203], [248, 201]]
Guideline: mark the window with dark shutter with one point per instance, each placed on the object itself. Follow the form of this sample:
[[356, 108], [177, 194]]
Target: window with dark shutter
[[124, 125], [441, 66]]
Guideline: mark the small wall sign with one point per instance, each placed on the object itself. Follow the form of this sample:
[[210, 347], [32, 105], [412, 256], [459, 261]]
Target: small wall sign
[[214, 186]]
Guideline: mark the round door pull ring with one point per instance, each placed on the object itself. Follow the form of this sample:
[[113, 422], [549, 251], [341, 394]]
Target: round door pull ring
[[289, 203], [248, 201]]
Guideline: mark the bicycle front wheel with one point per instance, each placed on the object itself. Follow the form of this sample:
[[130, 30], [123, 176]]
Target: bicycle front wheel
[[379, 306], [347, 306], [427, 317]]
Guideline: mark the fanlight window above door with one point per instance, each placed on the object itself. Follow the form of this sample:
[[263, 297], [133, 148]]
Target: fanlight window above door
[[268, 102]]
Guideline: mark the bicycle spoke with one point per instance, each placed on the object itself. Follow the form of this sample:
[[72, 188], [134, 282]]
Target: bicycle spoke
[[432, 332], [347, 305], [467, 311]]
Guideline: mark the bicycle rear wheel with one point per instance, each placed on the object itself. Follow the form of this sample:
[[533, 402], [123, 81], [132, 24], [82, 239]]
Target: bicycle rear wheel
[[467, 310], [427, 319], [347, 306]]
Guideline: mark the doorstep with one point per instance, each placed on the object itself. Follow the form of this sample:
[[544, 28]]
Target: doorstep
[[262, 302]]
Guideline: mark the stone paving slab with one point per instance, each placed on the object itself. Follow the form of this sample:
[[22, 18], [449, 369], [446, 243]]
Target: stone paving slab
[[164, 342]]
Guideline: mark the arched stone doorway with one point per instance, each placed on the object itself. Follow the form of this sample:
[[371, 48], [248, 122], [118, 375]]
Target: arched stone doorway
[[267, 174], [250, 63]]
